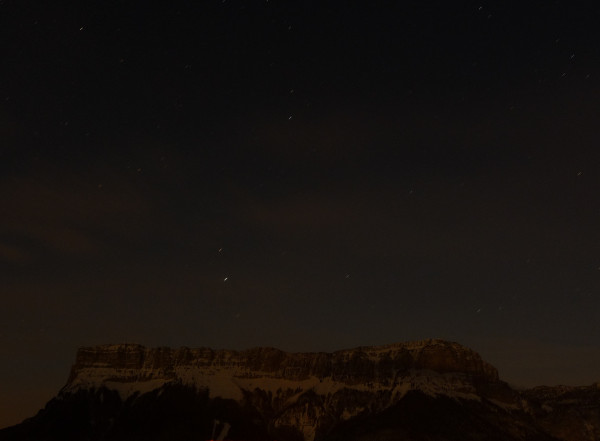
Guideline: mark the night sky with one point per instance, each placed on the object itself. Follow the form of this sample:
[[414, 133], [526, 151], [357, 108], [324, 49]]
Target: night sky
[[309, 175]]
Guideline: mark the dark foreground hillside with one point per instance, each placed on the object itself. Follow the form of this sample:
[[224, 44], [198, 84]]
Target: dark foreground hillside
[[182, 413]]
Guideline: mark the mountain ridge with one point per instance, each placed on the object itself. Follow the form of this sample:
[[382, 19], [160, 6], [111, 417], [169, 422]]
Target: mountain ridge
[[307, 396], [436, 354]]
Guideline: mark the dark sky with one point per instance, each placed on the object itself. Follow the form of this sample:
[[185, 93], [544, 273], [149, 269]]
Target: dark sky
[[308, 175]]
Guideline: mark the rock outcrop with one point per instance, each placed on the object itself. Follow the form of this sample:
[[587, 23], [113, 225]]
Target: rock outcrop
[[424, 390], [97, 365], [309, 392]]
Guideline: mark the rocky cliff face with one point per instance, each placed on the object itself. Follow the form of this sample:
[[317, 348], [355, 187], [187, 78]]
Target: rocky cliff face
[[425, 390], [97, 365], [310, 392]]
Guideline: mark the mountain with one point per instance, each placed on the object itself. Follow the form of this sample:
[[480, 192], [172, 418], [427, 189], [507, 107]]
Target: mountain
[[424, 390], [571, 413]]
